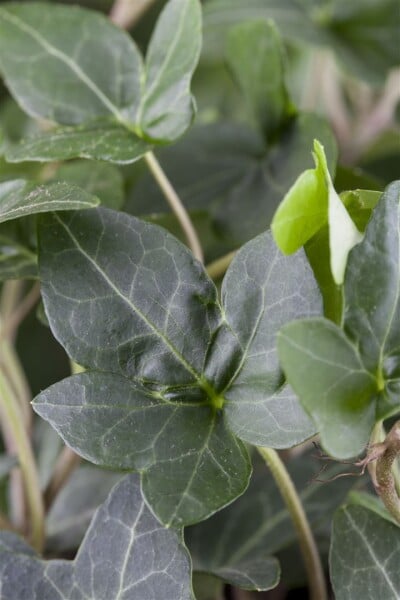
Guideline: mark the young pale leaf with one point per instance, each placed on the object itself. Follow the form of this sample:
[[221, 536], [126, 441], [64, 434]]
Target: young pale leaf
[[18, 198], [255, 56], [356, 367], [307, 207], [167, 107], [365, 555], [261, 291], [131, 301], [126, 554], [67, 64], [98, 140]]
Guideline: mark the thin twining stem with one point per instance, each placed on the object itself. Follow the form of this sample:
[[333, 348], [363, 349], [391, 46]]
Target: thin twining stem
[[176, 205], [308, 547]]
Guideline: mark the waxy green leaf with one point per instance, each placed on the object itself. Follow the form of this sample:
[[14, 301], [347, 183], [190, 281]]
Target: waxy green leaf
[[365, 555], [128, 299], [356, 367], [126, 554], [74, 67], [261, 291], [255, 56], [68, 64], [19, 198]]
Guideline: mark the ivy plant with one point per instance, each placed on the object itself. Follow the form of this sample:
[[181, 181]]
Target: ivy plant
[[133, 453]]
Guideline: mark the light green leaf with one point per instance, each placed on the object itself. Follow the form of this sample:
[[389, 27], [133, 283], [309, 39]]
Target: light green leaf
[[167, 107], [19, 198], [239, 544], [67, 64], [98, 140], [261, 291], [255, 55], [307, 207], [100, 179], [327, 373], [142, 310], [126, 554], [365, 555]]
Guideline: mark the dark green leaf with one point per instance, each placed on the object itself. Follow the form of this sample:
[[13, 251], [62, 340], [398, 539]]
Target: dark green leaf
[[18, 198], [365, 555], [255, 56], [101, 140], [67, 64], [126, 554], [239, 542], [167, 108], [115, 423], [261, 291], [130, 300]]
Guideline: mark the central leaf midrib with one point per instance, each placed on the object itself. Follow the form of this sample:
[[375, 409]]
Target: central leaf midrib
[[204, 384], [52, 50]]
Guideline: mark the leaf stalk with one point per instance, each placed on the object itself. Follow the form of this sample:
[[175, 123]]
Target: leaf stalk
[[308, 547], [15, 425]]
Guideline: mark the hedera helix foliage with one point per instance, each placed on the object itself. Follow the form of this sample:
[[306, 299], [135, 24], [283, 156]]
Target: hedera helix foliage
[[179, 379]]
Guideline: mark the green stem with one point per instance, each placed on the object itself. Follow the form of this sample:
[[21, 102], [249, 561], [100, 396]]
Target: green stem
[[308, 547], [218, 267], [176, 205], [15, 426]]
